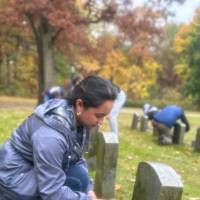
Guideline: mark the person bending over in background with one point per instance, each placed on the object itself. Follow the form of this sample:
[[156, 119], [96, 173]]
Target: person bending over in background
[[165, 119], [117, 106], [43, 159]]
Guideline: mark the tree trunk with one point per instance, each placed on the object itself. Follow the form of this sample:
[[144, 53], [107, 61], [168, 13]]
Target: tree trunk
[[1, 73], [49, 68], [46, 68], [9, 70], [1, 67]]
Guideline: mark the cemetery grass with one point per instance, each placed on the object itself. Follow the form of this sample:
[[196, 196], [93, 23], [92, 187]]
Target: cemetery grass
[[134, 147]]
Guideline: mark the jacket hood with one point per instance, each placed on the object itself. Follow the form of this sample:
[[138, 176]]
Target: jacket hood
[[57, 114]]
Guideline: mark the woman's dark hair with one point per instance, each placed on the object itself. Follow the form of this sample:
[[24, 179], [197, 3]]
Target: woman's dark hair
[[93, 90]]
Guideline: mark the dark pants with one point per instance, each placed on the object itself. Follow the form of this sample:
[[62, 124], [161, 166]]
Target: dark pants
[[165, 135], [77, 179]]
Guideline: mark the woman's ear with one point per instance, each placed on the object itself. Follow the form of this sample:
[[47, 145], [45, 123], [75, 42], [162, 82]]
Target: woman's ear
[[79, 106]]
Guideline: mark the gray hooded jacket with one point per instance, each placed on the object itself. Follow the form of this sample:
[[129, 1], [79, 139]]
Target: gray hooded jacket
[[34, 161]]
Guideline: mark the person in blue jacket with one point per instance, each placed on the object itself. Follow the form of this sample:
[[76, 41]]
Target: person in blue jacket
[[43, 159], [163, 120]]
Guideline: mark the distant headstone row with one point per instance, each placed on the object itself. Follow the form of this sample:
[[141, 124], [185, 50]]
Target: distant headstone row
[[179, 130], [140, 122]]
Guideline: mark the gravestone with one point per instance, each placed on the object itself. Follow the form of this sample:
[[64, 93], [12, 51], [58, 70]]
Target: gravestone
[[90, 153], [179, 132], [135, 121], [143, 123], [157, 181], [107, 154], [197, 141]]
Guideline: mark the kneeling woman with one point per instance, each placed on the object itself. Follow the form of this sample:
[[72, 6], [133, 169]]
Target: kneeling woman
[[42, 160]]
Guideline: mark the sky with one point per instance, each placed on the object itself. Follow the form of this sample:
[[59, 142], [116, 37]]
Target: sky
[[185, 12]]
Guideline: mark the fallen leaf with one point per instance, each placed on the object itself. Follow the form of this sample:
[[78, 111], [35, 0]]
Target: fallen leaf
[[117, 186]]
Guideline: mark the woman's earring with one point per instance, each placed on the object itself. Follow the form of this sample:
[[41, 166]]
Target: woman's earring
[[78, 113]]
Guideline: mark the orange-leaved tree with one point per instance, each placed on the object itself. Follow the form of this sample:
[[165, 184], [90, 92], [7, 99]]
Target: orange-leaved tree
[[63, 24], [53, 22]]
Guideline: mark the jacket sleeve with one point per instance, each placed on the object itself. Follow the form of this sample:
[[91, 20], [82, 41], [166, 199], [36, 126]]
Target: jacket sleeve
[[185, 121], [48, 155]]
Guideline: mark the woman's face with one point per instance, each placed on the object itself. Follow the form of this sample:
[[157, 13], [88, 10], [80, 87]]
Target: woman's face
[[91, 117]]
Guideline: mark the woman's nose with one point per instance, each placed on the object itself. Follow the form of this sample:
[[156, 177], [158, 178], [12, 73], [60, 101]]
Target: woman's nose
[[100, 121]]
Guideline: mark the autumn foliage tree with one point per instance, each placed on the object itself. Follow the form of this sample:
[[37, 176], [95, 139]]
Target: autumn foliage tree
[[13, 41], [187, 44], [129, 53], [168, 58], [64, 24], [51, 21]]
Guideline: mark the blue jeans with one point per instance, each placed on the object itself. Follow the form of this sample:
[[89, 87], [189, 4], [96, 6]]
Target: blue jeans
[[77, 178]]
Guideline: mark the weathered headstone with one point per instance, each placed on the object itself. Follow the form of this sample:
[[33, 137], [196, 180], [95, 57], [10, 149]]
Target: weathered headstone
[[90, 153], [107, 154], [179, 132], [135, 121], [197, 141], [157, 181], [143, 123]]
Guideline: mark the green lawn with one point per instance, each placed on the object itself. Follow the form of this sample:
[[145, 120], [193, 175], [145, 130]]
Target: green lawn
[[135, 147], [9, 119]]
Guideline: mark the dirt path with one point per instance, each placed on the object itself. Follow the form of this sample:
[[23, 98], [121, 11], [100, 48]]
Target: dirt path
[[17, 102]]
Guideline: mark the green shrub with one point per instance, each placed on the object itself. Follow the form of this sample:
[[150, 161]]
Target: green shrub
[[166, 97]]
